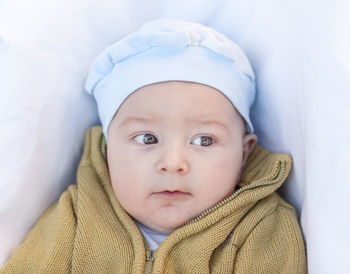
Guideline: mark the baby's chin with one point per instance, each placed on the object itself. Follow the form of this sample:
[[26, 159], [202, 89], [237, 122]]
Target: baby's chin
[[165, 224], [164, 228]]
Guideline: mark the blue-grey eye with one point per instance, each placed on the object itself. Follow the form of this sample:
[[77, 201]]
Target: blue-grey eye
[[203, 141], [146, 139]]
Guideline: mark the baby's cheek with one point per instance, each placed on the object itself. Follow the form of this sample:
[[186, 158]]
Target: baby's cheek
[[221, 178], [224, 166], [128, 182]]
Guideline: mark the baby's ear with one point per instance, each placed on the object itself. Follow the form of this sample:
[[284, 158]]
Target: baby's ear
[[249, 141]]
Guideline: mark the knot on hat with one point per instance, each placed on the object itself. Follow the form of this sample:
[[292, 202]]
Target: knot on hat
[[194, 39]]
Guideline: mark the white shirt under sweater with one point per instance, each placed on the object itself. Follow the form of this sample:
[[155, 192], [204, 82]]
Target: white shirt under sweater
[[153, 238]]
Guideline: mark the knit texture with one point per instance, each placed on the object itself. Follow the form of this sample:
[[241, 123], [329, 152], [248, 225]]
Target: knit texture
[[87, 230]]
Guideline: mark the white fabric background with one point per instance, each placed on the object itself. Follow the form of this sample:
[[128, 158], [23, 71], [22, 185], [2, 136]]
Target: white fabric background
[[300, 53]]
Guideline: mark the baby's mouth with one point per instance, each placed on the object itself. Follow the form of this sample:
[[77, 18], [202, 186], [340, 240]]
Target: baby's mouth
[[172, 195]]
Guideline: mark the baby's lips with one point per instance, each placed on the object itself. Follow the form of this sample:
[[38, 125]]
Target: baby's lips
[[172, 195]]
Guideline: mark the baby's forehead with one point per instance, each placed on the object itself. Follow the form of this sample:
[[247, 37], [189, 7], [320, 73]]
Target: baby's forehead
[[177, 97], [178, 89], [177, 102]]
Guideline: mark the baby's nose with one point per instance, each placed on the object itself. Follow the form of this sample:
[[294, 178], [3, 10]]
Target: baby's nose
[[173, 160]]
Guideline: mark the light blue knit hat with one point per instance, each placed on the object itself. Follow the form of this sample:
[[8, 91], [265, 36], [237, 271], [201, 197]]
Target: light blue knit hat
[[166, 50]]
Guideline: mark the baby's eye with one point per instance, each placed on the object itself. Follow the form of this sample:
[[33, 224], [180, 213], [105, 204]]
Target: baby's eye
[[203, 141], [147, 139]]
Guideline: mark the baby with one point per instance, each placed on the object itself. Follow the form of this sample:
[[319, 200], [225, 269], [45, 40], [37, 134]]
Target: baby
[[173, 181]]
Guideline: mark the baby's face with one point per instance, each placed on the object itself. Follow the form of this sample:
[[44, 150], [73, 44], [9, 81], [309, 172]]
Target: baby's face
[[174, 150]]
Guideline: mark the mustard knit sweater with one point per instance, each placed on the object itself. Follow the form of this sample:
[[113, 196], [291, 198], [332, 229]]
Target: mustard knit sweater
[[87, 231]]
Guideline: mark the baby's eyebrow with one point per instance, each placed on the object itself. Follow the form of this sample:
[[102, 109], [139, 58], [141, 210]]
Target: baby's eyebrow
[[215, 122], [137, 119], [190, 121]]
